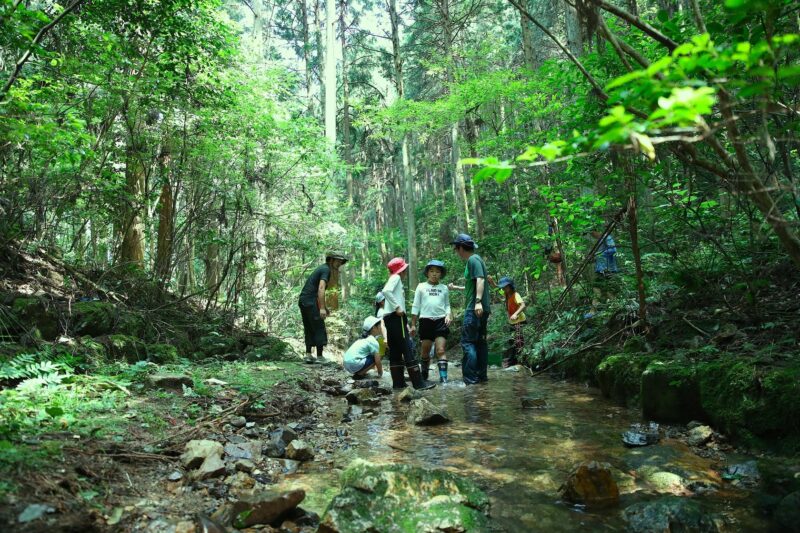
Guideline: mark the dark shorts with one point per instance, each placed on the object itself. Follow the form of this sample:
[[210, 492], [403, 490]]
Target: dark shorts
[[313, 326], [430, 328]]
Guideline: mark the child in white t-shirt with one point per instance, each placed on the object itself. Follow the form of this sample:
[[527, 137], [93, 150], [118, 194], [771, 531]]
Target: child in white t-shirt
[[366, 352], [432, 308]]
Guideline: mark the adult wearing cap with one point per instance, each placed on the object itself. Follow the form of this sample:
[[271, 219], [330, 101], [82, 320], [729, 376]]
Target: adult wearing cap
[[312, 304], [432, 308], [475, 362], [398, 339]]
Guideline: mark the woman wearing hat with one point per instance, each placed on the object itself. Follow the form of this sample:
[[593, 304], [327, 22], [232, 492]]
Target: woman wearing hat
[[401, 356], [432, 308], [365, 353], [312, 304]]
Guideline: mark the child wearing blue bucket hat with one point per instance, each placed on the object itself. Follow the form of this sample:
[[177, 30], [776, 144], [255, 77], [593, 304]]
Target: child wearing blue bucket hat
[[432, 308]]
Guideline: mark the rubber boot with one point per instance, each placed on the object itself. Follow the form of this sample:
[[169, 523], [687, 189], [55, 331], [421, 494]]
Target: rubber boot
[[425, 367], [416, 379], [398, 377], [442, 370]]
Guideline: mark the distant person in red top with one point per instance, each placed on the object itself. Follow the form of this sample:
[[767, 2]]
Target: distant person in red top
[[516, 319]]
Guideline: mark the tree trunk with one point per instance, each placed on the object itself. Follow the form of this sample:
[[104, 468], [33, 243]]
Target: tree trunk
[[574, 30], [306, 58], [132, 247], [166, 230], [527, 42], [330, 72]]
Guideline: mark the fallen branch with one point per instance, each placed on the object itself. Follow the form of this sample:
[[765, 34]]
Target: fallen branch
[[695, 327]]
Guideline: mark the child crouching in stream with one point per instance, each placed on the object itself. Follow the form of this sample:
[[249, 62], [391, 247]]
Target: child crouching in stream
[[365, 353]]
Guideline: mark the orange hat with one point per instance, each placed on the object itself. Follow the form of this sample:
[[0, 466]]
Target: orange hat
[[397, 265]]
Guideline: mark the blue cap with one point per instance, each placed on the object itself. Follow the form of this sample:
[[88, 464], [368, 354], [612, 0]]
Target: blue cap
[[465, 240], [505, 282], [438, 264]]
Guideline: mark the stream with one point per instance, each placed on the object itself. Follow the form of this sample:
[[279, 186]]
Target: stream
[[520, 457]]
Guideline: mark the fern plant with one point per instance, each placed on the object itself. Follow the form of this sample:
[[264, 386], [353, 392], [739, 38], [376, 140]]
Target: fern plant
[[32, 373]]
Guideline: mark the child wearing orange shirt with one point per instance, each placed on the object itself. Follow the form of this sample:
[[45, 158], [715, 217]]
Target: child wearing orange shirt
[[516, 319]]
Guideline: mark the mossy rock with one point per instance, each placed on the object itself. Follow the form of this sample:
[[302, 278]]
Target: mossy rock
[[620, 376], [91, 351], [133, 324], [35, 313], [124, 348], [93, 318], [405, 498], [583, 366], [162, 353], [751, 402], [670, 392], [218, 345], [271, 349]]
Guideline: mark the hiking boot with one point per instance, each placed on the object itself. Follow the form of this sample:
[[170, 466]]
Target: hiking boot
[[398, 377], [416, 379], [442, 364], [425, 368]]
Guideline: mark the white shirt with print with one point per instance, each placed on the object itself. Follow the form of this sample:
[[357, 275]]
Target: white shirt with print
[[431, 301]]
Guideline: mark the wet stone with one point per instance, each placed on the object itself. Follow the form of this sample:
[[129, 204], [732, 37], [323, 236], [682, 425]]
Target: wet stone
[[171, 382], [244, 465], [424, 413], [365, 397], [533, 403], [175, 476], [591, 484], [265, 507], [284, 435], [670, 514], [699, 435], [299, 450], [238, 421], [408, 394]]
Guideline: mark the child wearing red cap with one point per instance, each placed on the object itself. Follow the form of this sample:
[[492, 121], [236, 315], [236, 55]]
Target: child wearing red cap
[[401, 355]]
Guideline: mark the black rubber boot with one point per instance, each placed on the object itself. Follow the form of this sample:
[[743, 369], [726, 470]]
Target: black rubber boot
[[416, 379], [425, 367], [398, 377], [442, 370]]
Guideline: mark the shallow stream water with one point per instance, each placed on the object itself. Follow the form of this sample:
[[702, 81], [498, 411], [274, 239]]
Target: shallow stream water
[[520, 457]]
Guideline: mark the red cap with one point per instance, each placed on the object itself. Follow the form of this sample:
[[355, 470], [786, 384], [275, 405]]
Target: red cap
[[397, 265]]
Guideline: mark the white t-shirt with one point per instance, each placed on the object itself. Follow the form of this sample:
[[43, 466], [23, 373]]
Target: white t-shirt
[[358, 352], [431, 301], [394, 292]]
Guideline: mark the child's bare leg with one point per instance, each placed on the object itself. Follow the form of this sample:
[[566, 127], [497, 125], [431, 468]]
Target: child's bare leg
[[441, 346], [425, 359]]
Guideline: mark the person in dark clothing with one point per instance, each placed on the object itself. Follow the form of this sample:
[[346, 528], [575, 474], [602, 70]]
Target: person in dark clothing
[[312, 304], [475, 362]]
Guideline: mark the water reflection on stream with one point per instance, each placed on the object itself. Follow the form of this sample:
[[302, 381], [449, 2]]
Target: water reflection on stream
[[521, 457]]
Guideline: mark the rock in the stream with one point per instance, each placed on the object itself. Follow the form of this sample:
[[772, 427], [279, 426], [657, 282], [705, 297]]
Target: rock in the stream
[[205, 458], [238, 421], [247, 450], [299, 450], [424, 413], [699, 435], [170, 382], [530, 402], [365, 397], [265, 507], [274, 448], [244, 465], [404, 498], [366, 383], [591, 484], [671, 514], [408, 394], [285, 435], [197, 451]]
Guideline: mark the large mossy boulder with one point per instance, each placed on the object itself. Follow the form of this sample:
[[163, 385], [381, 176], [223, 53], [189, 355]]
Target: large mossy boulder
[[265, 348], [405, 498], [93, 318], [162, 353], [670, 392], [218, 345], [620, 376], [671, 514], [752, 402], [38, 314], [124, 348]]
